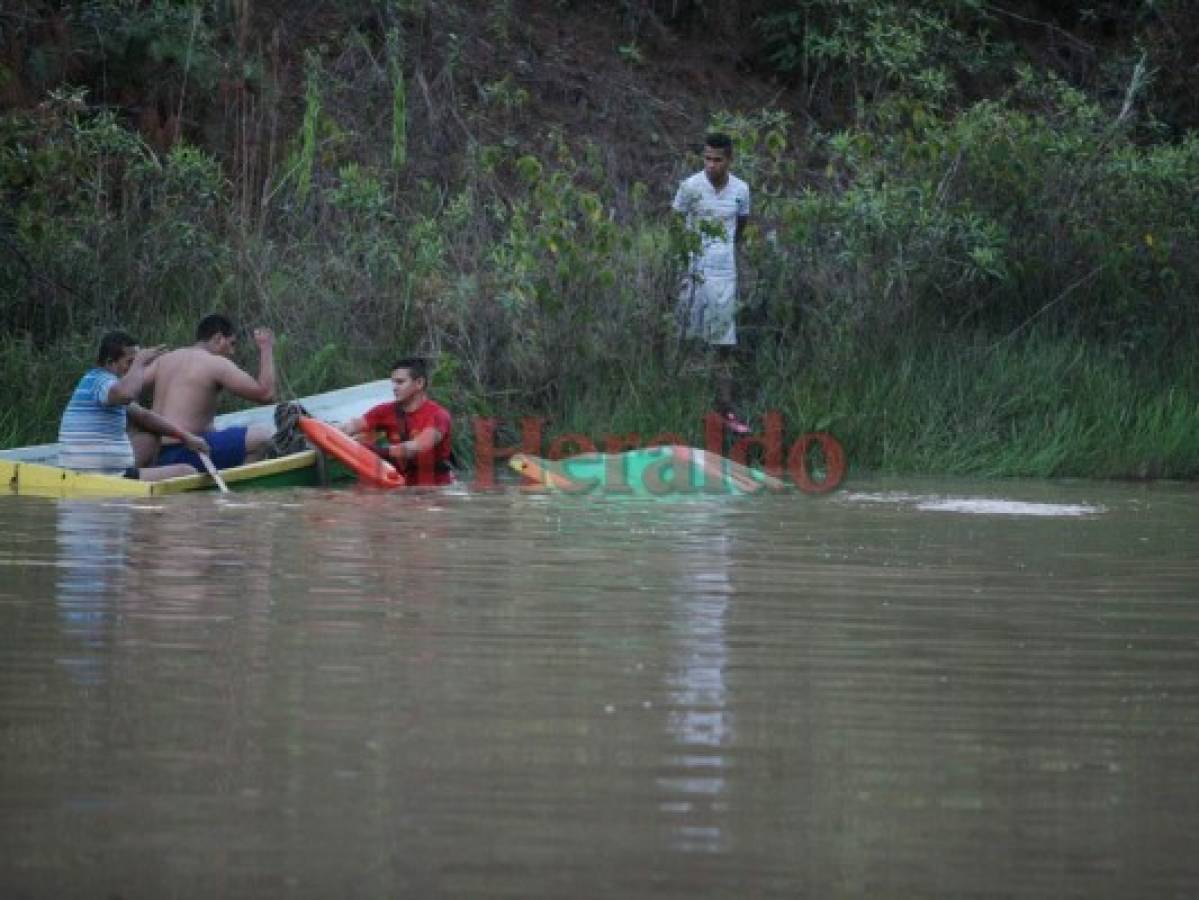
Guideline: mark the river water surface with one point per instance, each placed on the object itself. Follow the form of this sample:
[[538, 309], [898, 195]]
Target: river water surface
[[901, 690]]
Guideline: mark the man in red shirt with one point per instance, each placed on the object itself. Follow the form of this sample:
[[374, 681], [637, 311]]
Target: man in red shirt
[[415, 428]]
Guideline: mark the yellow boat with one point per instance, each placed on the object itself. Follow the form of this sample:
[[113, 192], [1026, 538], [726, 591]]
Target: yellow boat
[[33, 470]]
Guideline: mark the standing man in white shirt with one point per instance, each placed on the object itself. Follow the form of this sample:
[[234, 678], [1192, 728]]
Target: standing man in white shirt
[[714, 203]]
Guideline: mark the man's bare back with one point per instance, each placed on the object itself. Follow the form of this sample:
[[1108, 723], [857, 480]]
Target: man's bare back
[[187, 382]]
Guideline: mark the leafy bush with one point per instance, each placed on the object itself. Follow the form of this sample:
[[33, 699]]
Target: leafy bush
[[1033, 210], [103, 231], [868, 49]]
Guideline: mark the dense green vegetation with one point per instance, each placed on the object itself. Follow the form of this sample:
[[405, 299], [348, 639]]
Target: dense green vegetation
[[975, 244]]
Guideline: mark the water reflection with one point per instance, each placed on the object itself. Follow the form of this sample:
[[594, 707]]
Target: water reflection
[[93, 540], [699, 720]]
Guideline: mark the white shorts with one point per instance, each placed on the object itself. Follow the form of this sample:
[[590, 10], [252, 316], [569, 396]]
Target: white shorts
[[708, 308]]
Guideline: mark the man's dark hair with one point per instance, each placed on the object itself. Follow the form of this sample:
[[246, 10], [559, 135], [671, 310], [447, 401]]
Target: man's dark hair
[[113, 346], [718, 140], [211, 326], [417, 368]]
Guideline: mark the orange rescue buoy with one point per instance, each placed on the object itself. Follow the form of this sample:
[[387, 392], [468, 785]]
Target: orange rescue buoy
[[360, 459]]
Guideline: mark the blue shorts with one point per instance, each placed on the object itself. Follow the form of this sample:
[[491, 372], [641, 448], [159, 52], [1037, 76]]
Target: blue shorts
[[228, 450]]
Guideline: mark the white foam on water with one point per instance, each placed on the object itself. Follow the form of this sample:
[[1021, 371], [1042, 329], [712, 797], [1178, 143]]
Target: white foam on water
[[223, 501], [979, 506], [884, 497], [986, 506]]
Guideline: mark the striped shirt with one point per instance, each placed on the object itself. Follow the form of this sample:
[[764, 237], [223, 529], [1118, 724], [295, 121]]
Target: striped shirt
[[92, 432]]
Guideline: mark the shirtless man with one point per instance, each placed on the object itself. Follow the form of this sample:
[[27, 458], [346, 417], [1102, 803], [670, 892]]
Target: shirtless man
[[187, 383]]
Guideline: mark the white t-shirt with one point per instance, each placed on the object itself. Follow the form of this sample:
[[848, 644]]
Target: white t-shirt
[[700, 202]]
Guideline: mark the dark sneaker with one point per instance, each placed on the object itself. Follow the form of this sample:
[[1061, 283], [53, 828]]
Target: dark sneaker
[[288, 438], [735, 423]]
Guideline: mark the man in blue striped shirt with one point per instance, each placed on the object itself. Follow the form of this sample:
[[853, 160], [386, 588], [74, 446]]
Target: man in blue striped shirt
[[92, 434]]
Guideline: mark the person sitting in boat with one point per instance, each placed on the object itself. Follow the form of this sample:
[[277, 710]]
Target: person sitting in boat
[[187, 384], [92, 434], [415, 428]]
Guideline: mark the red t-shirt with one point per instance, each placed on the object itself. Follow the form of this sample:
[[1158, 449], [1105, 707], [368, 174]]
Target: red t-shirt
[[430, 467]]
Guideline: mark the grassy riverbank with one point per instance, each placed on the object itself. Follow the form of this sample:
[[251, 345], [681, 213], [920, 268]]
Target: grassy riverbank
[[1039, 407], [965, 257]]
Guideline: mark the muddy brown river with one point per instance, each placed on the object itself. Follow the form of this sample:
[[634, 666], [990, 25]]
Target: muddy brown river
[[904, 689]]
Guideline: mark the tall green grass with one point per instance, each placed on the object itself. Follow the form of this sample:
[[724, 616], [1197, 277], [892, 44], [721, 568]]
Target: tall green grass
[[1041, 407]]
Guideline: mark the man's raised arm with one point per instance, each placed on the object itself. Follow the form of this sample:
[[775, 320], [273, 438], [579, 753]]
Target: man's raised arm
[[262, 388]]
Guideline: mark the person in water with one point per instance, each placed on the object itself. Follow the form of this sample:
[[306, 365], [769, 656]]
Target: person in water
[[416, 429], [93, 434]]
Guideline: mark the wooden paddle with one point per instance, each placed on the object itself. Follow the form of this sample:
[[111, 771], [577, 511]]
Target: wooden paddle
[[216, 476]]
